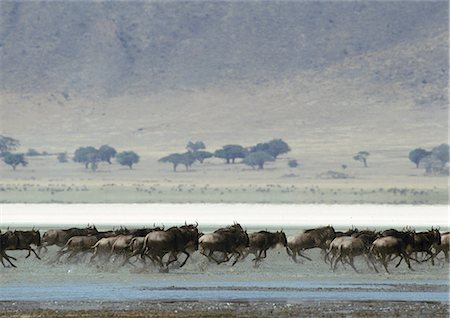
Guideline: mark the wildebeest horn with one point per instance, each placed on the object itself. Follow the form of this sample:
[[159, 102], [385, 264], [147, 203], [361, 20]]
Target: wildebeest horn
[[196, 224]]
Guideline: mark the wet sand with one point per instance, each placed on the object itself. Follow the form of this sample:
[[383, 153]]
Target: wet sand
[[244, 308]]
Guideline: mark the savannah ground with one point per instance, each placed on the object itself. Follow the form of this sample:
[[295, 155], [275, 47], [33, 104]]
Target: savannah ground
[[389, 179], [246, 309], [278, 287]]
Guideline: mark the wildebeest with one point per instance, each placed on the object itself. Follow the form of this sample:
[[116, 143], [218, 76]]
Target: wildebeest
[[230, 241], [443, 247], [3, 243], [385, 247], [261, 241], [348, 249], [103, 248], [60, 237], [311, 238], [81, 244], [423, 241], [174, 240], [22, 240], [333, 249]]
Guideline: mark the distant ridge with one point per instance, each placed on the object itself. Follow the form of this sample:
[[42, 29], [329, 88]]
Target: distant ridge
[[110, 49]]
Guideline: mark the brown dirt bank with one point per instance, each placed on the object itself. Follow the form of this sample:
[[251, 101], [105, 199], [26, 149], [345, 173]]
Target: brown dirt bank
[[225, 309]]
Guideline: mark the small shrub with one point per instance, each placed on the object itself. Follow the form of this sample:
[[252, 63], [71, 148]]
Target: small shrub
[[62, 157], [32, 153], [293, 163]]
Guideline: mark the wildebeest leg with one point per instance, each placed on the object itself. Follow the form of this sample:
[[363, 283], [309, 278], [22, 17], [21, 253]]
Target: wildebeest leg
[[351, 262], [187, 256], [225, 259], [257, 256], [385, 264], [41, 247], [236, 258], [407, 260], [72, 254], [32, 250], [3, 255], [401, 258], [432, 256], [368, 259], [304, 256], [339, 258]]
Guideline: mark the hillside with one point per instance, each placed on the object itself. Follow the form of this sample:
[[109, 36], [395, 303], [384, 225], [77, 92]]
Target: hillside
[[329, 78]]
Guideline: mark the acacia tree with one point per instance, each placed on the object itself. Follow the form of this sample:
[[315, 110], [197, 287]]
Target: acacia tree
[[441, 153], [127, 158], [274, 147], [258, 159], [8, 144], [86, 156], [106, 153], [231, 152], [200, 156], [186, 159], [194, 146], [14, 159], [62, 157], [362, 156], [418, 154]]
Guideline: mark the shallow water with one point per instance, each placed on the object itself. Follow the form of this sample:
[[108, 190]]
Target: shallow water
[[277, 278]]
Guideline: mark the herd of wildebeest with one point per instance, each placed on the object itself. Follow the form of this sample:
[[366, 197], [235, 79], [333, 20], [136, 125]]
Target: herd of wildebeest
[[164, 247]]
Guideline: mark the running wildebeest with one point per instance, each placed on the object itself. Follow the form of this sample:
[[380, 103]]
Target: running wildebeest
[[3, 243], [22, 240], [174, 240], [81, 244], [261, 241], [60, 237], [349, 248], [311, 238], [443, 247], [385, 247], [230, 241], [423, 242]]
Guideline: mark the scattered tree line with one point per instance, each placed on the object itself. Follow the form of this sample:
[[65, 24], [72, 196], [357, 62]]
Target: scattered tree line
[[90, 156], [255, 156], [434, 161], [8, 144]]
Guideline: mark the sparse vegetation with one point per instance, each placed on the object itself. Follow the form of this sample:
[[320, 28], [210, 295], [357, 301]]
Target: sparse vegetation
[[258, 159], [14, 159], [87, 155], [186, 159], [293, 163], [200, 156], [436, 163], [418, 154], [195, 146], [274, 147], [231, 152], [62, 157], [8, 144], [106, 153], [362, 156], [32, 153], [127, 158]]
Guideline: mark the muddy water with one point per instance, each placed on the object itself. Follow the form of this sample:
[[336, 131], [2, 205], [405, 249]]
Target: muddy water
[[277, 278]]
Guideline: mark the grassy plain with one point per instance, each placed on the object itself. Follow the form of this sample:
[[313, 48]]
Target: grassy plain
[[385, 181]]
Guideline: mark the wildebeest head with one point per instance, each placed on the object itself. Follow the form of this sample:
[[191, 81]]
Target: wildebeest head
[[435, 236], [190, 234], [281, 238], [91, 230]]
